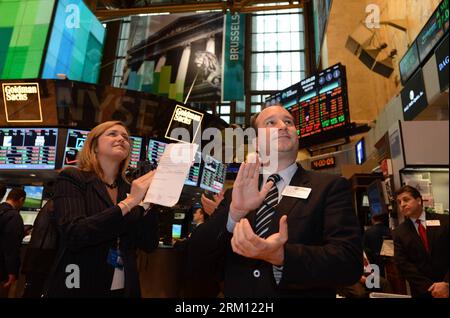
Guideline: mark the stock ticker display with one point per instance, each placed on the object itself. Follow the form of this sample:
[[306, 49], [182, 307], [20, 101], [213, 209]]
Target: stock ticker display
[[194, 171], [136, 147], [75, 142], [213, 175], [155, 150], [28, 148], [318, 103]]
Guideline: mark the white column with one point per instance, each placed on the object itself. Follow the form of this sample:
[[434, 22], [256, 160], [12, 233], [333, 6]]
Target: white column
[[184, 62], [160, 64], [210, 45]]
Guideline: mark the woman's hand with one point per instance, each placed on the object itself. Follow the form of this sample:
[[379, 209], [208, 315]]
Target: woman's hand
[[138, 190]]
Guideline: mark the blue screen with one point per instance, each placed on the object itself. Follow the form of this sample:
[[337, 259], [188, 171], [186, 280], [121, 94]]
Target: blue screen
[[33, 200], [360, 152], [176, 231]]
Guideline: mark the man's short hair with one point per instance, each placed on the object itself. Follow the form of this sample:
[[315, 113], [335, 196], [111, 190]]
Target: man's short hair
[[16, 194], [253, 122], [411, 190]]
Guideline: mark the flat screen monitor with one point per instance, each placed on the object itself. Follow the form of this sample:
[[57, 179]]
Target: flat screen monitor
[[289, 99], [194, 172], [28, 148], [74, 142], [377, 203], [176, 231], [442, 63], [360, 152], [75, 47], [6, 195], [28, 217], [136, 148], [409, 63], [155, 150], [213, 175], [365, 201], [432, 31], [24, 28], [319, 105], [33, 201], [413, 96], [233, 167]]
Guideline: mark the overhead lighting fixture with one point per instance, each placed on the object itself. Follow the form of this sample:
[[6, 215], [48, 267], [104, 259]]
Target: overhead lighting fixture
[[150, 14], [208, 11]]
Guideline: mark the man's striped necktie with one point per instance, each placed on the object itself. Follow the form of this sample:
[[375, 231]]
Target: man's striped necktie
[[266, 211]]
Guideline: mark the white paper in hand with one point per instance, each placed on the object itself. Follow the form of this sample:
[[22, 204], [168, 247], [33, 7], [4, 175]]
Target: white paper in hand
[[170, 175]]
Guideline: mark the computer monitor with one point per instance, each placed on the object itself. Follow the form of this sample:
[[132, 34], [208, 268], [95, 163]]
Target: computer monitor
[[213, 175], [360, 152], [176, 231], [28, 148], [33, 201], [194, 172], [377, 203], [155, 150], [135, 149], [365, 201], [28, 217], [74, 143]]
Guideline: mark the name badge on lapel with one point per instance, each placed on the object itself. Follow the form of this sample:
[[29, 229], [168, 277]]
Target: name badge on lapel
[[296, 192], [433, 223]]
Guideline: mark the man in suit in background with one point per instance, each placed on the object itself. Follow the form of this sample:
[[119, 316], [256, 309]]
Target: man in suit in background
[[373, 239], [421, 246], [303, 243], [11, 236]]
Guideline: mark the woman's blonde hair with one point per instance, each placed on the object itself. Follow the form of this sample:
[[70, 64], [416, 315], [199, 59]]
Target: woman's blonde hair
[[87, 157]]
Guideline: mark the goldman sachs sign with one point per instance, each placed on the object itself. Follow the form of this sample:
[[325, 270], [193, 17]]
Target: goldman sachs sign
[[414, 97]]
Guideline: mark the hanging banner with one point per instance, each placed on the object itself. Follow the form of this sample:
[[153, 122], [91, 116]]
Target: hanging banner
[[176, 56], [233, 71]]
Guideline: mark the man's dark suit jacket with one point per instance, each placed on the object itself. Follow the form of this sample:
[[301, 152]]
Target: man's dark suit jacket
[[90, 224], [11, 235], [422, 269], [323, 250]]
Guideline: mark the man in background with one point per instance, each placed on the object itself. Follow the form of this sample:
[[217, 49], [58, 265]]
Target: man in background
[[267, 243], [421, 246], [11, 236], [373, 240]]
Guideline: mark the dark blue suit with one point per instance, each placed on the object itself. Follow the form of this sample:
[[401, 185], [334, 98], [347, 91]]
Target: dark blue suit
[[323, 250], [420, 268]]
